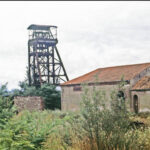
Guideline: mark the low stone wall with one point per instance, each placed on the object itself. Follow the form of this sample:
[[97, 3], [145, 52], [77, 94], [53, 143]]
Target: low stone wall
[[29, 103]]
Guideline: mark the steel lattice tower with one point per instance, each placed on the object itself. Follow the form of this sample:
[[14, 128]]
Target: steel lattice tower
[[44, 62]]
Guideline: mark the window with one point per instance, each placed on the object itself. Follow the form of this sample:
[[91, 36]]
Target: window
[[77, 88], [121, 95]]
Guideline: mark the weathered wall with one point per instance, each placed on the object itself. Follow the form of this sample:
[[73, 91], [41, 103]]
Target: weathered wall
[[29, 103], [70, 99], [143, 100]]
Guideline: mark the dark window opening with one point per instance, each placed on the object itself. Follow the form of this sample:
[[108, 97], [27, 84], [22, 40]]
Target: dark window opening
[[77, 88], [135, 104], [121, 95]]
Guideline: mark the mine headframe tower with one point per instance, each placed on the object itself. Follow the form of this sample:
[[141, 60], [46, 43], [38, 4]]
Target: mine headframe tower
[[44, 62]]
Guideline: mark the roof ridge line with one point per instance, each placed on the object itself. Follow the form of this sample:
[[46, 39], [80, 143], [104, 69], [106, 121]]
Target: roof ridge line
[[124, 65], [138, 68]]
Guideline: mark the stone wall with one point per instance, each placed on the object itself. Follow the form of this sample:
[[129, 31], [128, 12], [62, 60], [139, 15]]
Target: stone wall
[[29, 103], [70, 99]]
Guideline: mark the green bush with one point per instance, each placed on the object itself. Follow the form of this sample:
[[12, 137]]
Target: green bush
[[30, 130], [6, 110], [14, 136], [105, 128], [51, 96]]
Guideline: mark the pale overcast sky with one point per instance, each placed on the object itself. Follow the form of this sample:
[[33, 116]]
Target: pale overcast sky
[[91, 35]]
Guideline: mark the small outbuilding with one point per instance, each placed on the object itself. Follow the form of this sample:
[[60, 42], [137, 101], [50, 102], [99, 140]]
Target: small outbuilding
[[137, 89]]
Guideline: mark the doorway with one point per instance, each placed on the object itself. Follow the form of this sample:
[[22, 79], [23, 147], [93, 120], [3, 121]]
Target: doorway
[[135, 104]]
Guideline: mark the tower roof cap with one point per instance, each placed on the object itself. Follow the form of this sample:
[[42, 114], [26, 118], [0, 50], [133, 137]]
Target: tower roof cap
[[40, 27]]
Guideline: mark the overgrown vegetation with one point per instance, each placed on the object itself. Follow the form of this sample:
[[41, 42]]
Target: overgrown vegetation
[[98, 126], [6, 110]]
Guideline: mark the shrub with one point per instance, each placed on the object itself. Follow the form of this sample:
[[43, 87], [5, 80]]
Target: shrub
[[14, 136], [61, 137], [93, 110], [6, 110], [51, 96], [103, 127]]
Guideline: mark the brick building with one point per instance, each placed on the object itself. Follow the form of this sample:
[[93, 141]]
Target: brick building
[[137, 89]]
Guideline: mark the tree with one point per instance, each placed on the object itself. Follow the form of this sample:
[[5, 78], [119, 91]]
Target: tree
[[93, 111], [6, 105], [6, 110], [51, 96], [3, 90], [105, 127]]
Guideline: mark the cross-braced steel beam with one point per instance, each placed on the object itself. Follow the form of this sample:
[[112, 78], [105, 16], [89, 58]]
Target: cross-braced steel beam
[[44, 62]]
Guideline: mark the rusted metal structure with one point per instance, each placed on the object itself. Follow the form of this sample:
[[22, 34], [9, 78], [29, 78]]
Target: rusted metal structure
[[44, 62]]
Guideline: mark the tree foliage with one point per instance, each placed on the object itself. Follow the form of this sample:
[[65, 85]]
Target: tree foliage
[[7, 109], [105, 125]]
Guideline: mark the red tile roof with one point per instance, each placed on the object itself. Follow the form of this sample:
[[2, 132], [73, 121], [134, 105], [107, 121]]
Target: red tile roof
[[110, 74], [142, 84]]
